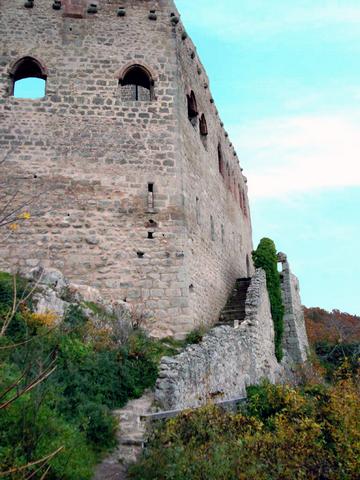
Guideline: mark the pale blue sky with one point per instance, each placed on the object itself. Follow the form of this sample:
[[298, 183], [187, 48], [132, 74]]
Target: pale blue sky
[[286, 79]]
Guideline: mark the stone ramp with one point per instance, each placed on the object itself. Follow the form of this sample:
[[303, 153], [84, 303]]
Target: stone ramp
[[131, 436], [235, 306]]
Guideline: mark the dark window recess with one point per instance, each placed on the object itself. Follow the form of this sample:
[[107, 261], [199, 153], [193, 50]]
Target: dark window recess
[[150, 199], [140, 254], [136, 84], [151, 235], [192, 107], [221, 161], [203, 126], [28, 79]]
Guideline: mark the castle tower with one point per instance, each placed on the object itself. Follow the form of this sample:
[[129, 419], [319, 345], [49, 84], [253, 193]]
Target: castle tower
[[136, 185]]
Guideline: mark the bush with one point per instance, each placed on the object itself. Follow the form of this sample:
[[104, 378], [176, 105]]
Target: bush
[[72, 408], [281, 434], [265, 257]]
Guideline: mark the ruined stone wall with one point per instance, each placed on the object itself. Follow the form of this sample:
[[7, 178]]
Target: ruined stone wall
[[90, 153], [295, 341], [217, 218], [226, 361]]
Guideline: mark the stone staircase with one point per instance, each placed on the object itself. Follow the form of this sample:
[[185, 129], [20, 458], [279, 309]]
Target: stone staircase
[[131, 437], [235, 307]]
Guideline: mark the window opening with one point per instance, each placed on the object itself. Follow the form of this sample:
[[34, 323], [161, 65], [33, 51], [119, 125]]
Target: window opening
[[136, 84], [192, 107], [203, 126], [221, 161], [28, 79], [150, 200]]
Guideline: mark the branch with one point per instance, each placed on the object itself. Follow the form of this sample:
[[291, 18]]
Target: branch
[[31, 385], [32, 464]]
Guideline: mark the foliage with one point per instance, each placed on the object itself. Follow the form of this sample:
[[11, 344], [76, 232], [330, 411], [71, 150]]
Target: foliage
[[333, 327], [334, 336], [332, 356], [282, 434], [265, 257], [195, 336], [71, 410]]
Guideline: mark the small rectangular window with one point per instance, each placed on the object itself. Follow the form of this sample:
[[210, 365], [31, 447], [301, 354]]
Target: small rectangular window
[[150, 200]]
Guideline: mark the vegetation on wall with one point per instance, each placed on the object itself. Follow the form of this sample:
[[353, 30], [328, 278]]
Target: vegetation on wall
[[282, 434], [63, 425], [265, 257]]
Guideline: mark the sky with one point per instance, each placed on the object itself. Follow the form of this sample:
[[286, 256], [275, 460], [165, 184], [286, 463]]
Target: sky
[[285, 76]]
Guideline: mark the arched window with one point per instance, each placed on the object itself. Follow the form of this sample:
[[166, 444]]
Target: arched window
[[136, 84], [28, 78], [221, 161], [192, 106], [203, 126]]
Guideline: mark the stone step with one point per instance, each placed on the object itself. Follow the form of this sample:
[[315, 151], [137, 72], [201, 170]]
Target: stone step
[[235, 306], [131, 436]]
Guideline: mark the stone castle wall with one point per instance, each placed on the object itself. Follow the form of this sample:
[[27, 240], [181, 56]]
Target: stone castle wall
[[218, 226], [226, 361], [90, 154]]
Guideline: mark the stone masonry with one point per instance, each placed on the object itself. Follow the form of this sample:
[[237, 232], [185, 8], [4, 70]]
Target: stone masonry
[[295, 340], [229, 359], [138, 189], [226, 361]]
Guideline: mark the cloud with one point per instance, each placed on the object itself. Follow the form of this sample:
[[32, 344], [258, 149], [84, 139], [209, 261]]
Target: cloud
[[235, 18], [283, 155]]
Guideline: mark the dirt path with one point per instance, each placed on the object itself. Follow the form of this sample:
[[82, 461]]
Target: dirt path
[[130, 439]]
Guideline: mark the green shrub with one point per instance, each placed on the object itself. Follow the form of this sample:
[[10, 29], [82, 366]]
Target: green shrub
[[72, 408], [265, 257], [195, 336], [282, 433]]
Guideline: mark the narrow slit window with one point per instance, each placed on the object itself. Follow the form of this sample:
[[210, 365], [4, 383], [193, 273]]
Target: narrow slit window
[[150, 200], [221, 161], [203, 126]]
